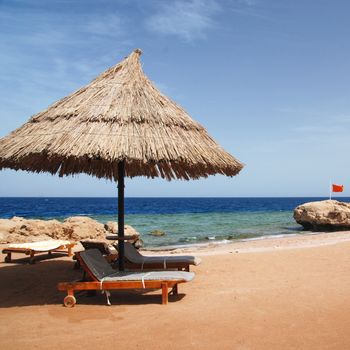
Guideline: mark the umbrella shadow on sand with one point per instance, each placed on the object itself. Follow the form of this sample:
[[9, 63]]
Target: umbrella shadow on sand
[[29, 285]]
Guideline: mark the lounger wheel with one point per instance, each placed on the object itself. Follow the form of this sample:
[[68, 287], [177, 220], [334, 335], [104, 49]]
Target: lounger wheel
[[7, 259], [69, 301]]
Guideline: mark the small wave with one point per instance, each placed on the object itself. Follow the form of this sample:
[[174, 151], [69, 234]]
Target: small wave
[[259, 238]]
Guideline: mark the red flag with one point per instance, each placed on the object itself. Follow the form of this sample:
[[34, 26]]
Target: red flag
[[337, 188]]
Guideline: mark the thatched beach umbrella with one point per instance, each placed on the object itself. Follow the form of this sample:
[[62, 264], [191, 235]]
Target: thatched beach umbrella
[[118, 125]]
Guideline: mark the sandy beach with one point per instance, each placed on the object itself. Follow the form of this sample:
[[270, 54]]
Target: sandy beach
[[280, 293], [212, 128]]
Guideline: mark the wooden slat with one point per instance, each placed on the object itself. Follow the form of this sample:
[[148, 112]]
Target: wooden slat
[[95, 285]]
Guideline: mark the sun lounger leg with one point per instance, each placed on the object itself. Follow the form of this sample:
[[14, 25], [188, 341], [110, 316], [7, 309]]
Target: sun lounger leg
[[70, 250], [8, 258], [164, 293], [174, 290], [32, 259], [77, 265]]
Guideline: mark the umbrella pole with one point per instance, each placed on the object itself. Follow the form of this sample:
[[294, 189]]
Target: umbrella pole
[[121, 175]]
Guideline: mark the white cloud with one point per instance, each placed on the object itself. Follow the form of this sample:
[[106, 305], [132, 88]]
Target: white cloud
[[299, 111], [48, 54], [315, 125], [327, 126], [55, 46], [188, 20]]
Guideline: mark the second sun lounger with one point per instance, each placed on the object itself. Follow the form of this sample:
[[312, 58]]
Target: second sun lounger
[[104, 277], [134, 259], [58, 246]]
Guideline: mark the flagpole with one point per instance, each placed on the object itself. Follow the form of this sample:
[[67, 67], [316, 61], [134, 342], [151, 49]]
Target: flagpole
[[330, 189]]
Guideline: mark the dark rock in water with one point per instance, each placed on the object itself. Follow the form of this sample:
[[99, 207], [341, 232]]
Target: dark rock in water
[[157, 233], [328, 215]]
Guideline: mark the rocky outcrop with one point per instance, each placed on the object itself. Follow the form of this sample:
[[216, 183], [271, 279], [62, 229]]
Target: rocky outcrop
[[21, 230], [328, 215], [18, 230]]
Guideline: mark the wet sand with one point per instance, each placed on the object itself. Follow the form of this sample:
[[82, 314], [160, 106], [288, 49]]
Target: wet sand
[[284, 293]]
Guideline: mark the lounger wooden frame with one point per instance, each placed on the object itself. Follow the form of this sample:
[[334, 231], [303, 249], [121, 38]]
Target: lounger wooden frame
[[66, 248], [95, 284]]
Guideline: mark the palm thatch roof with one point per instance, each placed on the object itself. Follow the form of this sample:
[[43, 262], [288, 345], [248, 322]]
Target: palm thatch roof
[[119, 116]]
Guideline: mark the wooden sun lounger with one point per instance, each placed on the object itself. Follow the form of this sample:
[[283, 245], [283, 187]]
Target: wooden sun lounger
[[135, 260], [34, 248], [104, 277]]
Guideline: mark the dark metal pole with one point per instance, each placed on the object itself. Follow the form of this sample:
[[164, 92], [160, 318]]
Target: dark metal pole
[[121, 175]]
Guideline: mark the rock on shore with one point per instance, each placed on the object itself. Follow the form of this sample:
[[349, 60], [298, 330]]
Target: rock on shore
[[328, 215], [76, 228]]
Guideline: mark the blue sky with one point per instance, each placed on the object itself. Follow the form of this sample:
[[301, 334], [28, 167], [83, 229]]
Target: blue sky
[[270, 80]]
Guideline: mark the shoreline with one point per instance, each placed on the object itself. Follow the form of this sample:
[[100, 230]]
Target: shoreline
[[259, 244]]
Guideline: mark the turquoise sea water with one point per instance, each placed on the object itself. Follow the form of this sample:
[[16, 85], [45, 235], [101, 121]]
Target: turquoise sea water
[[184, 220], [193, 228]]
